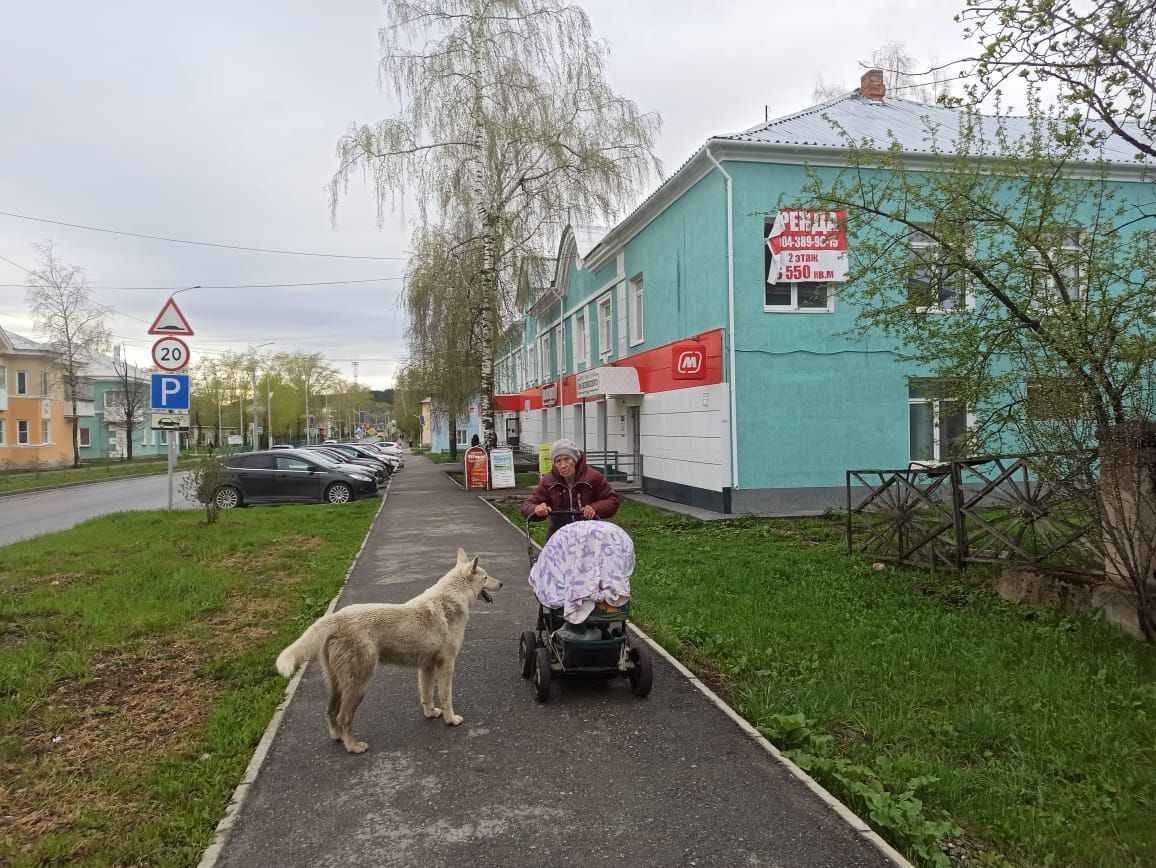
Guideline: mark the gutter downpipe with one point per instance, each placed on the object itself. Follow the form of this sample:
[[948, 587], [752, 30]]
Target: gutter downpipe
[[730, 319]]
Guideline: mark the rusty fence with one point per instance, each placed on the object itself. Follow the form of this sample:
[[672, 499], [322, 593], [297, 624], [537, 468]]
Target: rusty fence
[[977, 510]]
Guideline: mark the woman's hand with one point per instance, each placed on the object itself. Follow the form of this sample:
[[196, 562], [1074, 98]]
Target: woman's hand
[[542, 510], [588, 512]]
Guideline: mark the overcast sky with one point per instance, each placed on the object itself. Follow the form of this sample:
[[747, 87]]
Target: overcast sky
[[216, 121]]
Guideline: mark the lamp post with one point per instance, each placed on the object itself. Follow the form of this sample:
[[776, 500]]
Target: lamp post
[[254, 373]]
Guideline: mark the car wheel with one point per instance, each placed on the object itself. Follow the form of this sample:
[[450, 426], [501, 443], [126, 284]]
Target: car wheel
[[338, 492], [526, 646], [542, 674], [642, 673], [227, 497]]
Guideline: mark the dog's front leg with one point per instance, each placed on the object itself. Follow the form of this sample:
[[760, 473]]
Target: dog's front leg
[[425, 686], [445, 683]]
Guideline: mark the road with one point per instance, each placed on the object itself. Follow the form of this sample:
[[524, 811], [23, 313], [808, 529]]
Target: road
[[27, 515]]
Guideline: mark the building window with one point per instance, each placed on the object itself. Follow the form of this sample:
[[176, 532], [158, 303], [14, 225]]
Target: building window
[[21, 382], [45, 431], [2, 441], [85, 437], [798, 297], [3, 378], [560, 347], [44, 384], [580, 339], [605, 327], [1061, 266], [162, 438], [637, 311], [938, 424], [22, 432], [933, 285], [463, 436]]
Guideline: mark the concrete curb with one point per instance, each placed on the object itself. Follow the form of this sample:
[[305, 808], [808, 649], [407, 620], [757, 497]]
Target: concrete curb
[[221, 834], [20, 491], [847, 815]]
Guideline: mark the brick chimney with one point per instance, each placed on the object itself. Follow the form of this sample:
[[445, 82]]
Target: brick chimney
[[871, 86]]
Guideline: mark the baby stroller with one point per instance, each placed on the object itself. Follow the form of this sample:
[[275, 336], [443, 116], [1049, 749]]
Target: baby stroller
[[582, 582]]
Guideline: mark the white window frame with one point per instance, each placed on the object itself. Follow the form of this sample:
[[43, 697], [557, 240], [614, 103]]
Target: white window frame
[[938, 451], [560, 347], [2, 442], [45, 431], [793, 306], [22, 434], [85, 435], [581, 338], [918, 241], [605, 326], [3, 378], [1069, 247], [162, 437], [21, 382], [44, 384], [636, 305], [463, 435]]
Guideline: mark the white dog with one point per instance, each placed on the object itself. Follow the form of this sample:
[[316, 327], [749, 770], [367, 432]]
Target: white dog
[[426, 632]]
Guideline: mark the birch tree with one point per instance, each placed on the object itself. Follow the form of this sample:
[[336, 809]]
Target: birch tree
[[508, 126], [63, 311]]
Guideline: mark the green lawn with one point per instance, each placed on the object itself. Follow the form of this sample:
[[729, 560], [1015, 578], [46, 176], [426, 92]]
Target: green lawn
[[136, 672], [97, 471], [936, 710]]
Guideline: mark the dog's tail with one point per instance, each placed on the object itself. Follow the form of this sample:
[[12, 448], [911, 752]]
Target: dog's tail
[[304, 648]]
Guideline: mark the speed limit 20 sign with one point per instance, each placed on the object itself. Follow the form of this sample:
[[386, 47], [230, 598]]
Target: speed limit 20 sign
[[171, 354]]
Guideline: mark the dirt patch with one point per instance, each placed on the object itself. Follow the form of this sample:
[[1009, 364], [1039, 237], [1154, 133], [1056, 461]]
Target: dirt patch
[[248, 621], [133, 709], [52, 580]]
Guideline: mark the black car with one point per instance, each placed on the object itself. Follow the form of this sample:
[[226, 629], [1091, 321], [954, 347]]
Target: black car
[[289, 475]]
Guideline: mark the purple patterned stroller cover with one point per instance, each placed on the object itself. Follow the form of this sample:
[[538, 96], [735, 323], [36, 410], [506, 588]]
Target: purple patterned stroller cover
[[583, 563]]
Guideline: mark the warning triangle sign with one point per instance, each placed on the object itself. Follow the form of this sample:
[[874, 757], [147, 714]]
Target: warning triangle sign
[[170, 321]]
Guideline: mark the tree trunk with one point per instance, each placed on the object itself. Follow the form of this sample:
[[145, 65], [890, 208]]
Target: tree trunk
[[75, 422]]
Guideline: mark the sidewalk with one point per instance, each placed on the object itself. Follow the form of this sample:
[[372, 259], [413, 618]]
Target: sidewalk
[[594, 777]]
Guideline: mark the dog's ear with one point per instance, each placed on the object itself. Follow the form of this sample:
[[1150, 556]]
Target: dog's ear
[[462, 556], [474, 567]]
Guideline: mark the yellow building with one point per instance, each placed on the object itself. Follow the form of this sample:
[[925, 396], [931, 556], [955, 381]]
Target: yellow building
[[34, 426]]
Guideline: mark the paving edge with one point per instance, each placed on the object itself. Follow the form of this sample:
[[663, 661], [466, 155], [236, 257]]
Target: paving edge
[[221, 834], [846, 814]]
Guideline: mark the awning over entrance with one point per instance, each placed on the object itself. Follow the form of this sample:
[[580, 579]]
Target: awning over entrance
[[607, 380]]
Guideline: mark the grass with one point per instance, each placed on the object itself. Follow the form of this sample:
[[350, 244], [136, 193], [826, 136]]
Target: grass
[[94, 471], [136, 672], [940, 713]]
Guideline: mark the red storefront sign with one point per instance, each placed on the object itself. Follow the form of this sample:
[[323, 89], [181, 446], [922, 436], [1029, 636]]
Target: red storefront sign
[[688, 361], [550, 395], [477, 468]]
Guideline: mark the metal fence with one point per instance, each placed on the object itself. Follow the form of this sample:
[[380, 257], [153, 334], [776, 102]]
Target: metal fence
[[978, 510], [621, 469]]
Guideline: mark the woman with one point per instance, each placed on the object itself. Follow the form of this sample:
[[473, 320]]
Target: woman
[[570, 485]]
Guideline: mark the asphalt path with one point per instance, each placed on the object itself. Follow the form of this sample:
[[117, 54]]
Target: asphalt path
[[594, 777], [32, 513]]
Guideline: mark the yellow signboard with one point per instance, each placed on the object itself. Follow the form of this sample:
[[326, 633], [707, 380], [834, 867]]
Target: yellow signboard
[[544, 466]]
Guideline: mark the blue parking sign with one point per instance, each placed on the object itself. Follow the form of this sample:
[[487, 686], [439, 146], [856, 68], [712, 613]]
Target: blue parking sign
[[170, 391]]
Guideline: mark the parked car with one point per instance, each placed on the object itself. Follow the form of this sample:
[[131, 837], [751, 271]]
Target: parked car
[[288, 476], [380, 470], [353, 453]]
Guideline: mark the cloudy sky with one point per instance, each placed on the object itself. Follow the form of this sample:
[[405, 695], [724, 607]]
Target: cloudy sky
[[216, 122]]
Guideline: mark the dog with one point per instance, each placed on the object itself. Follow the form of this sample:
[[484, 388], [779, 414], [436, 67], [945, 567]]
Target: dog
[[425, 632]]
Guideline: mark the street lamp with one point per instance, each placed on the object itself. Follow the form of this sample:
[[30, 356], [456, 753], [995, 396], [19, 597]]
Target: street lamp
[[254, 351]]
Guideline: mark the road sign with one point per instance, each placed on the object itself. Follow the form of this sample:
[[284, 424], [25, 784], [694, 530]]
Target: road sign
[[171, 354], [170, 321], [170, 391], [169, 421]]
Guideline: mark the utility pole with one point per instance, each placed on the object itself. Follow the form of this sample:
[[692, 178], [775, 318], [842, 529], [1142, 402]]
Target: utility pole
[[268, 410]]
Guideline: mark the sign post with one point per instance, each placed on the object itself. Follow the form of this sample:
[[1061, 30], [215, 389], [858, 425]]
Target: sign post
[[170, 390]]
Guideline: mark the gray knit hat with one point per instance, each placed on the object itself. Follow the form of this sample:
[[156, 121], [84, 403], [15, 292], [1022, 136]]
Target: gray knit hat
[[564, 447]]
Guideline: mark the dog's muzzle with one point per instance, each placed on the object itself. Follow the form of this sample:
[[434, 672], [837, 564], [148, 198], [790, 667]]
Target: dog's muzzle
[[483, 594]]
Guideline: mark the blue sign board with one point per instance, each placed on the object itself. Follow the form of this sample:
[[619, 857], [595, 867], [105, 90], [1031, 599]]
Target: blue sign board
[[170, 391]]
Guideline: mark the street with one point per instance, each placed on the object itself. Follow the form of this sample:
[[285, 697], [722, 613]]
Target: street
[[23, 516]]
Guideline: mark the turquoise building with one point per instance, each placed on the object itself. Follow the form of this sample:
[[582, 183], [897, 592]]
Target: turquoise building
[[101, 412], [661, 346]]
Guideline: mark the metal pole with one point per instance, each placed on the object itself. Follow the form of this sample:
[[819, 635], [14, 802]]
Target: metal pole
[[268, 410], [308, 429], [255, 446], [172, 462]]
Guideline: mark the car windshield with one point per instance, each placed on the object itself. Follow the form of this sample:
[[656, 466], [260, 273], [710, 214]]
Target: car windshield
[[323, 458]]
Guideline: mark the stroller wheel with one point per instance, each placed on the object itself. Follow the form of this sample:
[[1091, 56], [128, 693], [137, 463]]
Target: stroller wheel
[[542, 674], [526, 645], [641, 674]]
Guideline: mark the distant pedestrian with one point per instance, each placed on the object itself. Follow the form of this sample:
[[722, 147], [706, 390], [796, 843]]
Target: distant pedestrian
[[475, 441]]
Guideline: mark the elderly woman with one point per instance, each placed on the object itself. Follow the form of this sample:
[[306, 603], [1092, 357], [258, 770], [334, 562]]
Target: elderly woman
[[570, 486]]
